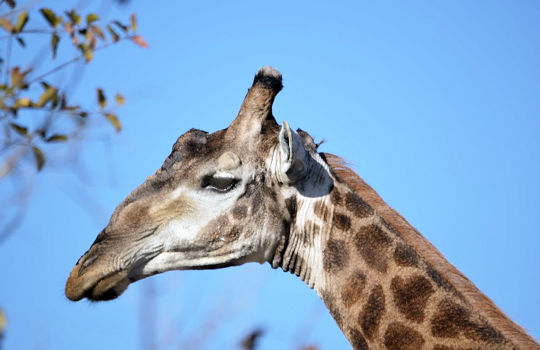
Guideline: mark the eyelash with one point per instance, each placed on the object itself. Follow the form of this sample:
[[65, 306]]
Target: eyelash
[[219, 184]]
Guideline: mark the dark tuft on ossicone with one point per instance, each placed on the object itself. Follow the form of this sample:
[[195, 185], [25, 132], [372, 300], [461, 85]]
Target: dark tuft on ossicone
[[269, 78]]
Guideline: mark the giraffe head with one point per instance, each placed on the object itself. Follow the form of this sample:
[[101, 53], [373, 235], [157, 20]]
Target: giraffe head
[[218, 200]]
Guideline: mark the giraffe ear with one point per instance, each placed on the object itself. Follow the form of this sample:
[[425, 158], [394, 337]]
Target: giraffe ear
[[293, 155]]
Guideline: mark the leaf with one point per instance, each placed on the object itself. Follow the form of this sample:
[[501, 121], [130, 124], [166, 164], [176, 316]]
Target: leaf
[[113, 119], [55, 39], [48, 95], [101, 98], [57, 138], [87, 52], [23, 102], [137, 39], [133, 20], [97, 31], [74, 17], [91, 39], [17, 78], [3, 318], [21, 41], [22, 19], [50, 16], [115, 36], [6, 24], [119, 99], [21, 130], [91, 17], [40, 158], [11, 3], [121, 26]]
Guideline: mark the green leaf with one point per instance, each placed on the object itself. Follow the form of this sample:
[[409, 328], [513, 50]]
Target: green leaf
[[40, 158], [92, 17], [6, 24], [101, 98], [133, 20], [50, 16], [121, 26], [113, 119], [48, 95], [74, 17], [115, 36], [87, 52], [55, 39], [57, 138], [21, 130], [22, 19]]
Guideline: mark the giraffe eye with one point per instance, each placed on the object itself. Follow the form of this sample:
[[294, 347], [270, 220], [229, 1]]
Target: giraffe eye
[[219, 184]]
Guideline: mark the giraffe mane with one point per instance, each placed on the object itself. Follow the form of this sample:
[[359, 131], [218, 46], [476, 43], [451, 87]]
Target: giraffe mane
[[461, 284]]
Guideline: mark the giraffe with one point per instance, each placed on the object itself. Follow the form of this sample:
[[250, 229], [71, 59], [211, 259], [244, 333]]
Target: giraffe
[[260, 192]]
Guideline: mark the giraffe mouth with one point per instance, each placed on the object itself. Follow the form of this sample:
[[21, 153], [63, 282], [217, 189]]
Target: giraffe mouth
[[95, 287]]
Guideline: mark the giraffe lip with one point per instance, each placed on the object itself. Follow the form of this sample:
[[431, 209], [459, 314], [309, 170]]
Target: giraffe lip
[[95, 287]]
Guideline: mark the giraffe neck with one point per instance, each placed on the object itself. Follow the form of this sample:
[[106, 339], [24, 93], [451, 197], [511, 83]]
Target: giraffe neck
[[380, 289]]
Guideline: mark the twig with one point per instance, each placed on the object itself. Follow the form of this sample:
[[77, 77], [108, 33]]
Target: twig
[[73, 60]]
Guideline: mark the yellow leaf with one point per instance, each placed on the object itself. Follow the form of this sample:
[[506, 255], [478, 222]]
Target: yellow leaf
[[119, 99], [3, 321], [137, 39], [113, 119], [23, 102], [102, 100], [22, 19], [46, 96], [133, 19], [17, 77]]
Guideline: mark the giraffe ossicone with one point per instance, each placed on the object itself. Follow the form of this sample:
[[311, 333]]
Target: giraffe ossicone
[[260, 192]]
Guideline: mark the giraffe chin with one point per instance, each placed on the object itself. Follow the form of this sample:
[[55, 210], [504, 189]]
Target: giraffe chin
[[106, 288]]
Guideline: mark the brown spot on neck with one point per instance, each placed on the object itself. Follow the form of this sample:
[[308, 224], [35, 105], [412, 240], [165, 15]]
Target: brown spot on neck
[[404, 255], [372, 312], [357, 205], [352, 292], [452, 319], [401, 337], [335, 255], [373, 243], [411, 296], [357, 340], [341, 222]]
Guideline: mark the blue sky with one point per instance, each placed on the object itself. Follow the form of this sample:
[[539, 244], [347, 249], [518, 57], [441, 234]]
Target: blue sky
[[434, 103]]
